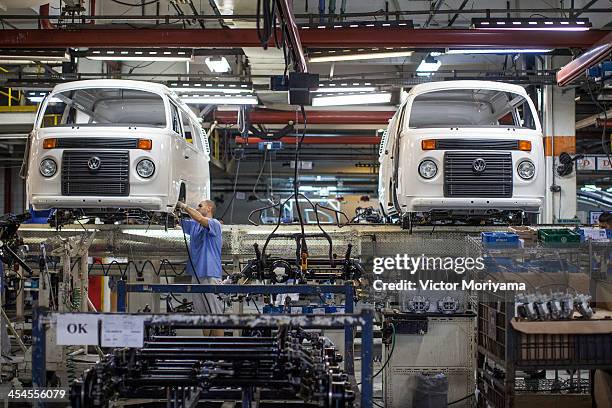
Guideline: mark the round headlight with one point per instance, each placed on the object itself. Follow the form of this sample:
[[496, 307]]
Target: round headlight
[[48, 167], [428, 169], [526, 169], [145, 168]]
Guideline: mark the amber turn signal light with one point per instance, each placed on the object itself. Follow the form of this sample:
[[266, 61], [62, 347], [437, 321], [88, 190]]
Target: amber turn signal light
[[145, 144], [524, 145], [49, 143], [428, 144]]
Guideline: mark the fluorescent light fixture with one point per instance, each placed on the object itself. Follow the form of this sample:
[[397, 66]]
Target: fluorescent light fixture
[[17, 56], [428, 66], [149, 54], [359, 56], [219, 99], [352, 99], [227, 87], [540, 23], [345, 86], [30, 61], [144, 59], [39, 99], [217, 64], [213, 89], [358, 24], [347, 89], [500, 51]]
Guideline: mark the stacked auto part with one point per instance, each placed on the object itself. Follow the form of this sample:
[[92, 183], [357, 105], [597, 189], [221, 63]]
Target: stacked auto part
[[555, 306], [291, 363]]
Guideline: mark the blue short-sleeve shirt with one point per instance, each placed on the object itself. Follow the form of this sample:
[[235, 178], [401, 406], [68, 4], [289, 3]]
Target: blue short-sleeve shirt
[[205, 248]]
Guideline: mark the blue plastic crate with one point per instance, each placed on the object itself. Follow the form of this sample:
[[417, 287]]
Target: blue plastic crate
[[334, 309], [500, 238], [270, 309]]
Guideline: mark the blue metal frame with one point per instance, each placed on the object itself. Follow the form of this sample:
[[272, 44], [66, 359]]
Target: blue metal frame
[[42, 318], [349, 306], [39, 348]]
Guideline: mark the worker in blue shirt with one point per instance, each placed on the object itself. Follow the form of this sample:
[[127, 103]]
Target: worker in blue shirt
[[205, 249]]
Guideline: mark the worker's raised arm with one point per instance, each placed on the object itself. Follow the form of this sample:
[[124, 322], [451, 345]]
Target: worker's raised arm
[[194, 214]]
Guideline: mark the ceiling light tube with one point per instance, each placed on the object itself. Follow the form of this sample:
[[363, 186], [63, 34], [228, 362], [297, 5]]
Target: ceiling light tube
[[354, 99], [215, 89], [137, 58], [335, 89], [500, 51], [144, 54], [428, 66], [533, 24], [219, 100], [357, 57], [217, 64]]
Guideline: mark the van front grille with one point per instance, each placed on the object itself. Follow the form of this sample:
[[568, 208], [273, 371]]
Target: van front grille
[[111, 178], [461, 179]]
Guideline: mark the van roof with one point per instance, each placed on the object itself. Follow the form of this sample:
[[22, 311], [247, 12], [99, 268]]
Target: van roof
[[112, 83], [467, 84]]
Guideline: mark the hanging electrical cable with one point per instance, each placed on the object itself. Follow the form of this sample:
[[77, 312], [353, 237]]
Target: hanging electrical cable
[[296, 184]]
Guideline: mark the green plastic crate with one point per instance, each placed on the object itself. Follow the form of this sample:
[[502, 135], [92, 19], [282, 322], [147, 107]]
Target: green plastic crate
[[558, 236]]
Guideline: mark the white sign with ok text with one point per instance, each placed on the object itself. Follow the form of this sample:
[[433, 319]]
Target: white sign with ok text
[[77, 329]]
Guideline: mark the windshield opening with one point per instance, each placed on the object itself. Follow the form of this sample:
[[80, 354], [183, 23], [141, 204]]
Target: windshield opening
[[105, 107], [471, 108]]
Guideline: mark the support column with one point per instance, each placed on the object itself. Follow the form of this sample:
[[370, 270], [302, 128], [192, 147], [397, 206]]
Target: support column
[[84, 282], [559, 129]]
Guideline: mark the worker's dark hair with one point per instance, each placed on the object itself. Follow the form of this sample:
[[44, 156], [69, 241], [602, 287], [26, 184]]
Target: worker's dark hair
[[605, 217]]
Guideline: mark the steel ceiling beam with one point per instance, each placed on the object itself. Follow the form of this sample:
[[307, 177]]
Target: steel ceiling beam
[[314, 117], [312, 38], [335, 140], [600, 51]]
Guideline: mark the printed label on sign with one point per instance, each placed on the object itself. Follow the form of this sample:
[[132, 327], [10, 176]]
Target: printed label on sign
[[77, 329], [122, 331], [603, 163], [594, 217], [587, 163]]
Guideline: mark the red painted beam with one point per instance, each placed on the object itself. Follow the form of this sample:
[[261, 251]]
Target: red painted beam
[[313, 38], [604, 123], [315, 117], [337, 140], [575, 68]]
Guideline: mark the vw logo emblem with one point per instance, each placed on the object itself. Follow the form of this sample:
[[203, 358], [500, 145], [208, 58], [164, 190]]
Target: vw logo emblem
[[94, 163], [479, 165]]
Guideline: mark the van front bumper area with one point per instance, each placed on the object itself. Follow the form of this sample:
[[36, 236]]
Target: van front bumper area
[[45, 202], [424, 204]]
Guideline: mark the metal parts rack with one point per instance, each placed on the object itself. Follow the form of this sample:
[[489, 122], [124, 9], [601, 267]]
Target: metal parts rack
[[124, 288], [287, 323]]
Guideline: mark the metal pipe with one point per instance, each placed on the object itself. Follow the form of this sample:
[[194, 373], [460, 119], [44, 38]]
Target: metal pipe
[[315, 117], [352, 140], [577, 67], [229, 353], [211, 339], [314, 38], [310, 16]]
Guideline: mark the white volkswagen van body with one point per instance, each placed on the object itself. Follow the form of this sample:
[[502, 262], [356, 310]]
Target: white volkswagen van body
[[463, 148], [116, 145]]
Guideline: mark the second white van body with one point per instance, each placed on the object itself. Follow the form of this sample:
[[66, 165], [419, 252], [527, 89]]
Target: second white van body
[[464, 147]]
